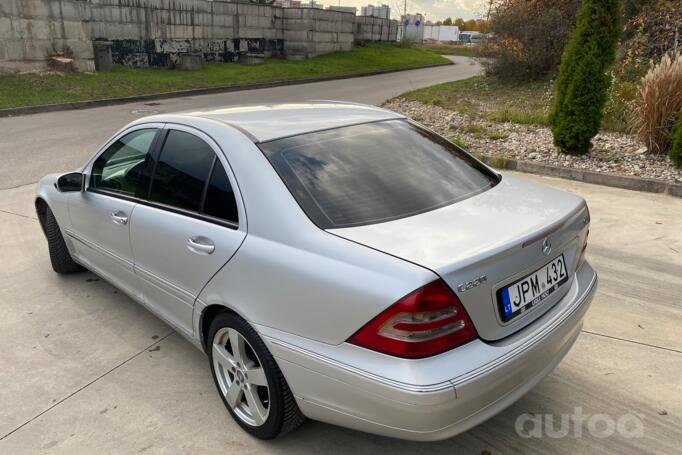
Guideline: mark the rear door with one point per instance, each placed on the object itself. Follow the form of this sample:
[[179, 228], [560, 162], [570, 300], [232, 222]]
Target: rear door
[[190, 225]]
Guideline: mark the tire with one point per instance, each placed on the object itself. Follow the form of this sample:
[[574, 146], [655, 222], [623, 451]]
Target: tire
[[283, 414], [60, 257]]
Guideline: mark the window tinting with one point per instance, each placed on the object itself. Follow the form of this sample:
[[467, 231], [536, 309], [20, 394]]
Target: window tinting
[[374, 172], [181, 171], [122, 167], [220, 201]]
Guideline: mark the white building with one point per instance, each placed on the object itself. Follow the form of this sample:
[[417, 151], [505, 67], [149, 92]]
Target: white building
[[312, 4], [343, 9], [383, 11], [441, 33]]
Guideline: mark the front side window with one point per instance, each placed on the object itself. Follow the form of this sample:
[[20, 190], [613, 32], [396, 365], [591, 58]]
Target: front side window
[[121, 168], [182, 171], [374, 172]]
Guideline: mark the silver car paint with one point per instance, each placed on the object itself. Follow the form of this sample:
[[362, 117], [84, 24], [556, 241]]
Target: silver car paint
[[485, 236], [306, 290]]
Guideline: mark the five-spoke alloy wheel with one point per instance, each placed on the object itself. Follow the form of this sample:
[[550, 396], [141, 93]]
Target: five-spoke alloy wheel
[[241, 377], [249, 381]]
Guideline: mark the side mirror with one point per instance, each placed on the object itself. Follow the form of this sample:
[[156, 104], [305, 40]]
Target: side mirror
[[72, 181]]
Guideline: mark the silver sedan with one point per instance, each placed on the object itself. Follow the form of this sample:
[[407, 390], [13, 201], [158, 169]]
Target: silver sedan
[[334, 261]]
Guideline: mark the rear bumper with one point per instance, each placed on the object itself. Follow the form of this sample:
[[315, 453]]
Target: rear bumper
[[435, 398]]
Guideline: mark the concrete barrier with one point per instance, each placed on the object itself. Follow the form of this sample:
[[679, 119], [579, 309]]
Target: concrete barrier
[[157, 32]]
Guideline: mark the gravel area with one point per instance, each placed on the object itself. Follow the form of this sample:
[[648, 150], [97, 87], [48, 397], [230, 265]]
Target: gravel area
[[613, 153]]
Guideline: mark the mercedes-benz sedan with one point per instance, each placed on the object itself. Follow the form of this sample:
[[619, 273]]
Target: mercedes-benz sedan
[[335, 261]]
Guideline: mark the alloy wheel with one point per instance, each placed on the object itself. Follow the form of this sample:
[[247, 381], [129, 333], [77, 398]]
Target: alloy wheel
[[241, 377]]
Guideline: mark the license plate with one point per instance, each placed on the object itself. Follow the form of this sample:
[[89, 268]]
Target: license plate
[[524, 294]]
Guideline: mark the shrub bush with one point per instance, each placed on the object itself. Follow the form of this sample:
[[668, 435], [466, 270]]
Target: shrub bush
[[658, 103], [529, 37], [676, 149], [583, 83]]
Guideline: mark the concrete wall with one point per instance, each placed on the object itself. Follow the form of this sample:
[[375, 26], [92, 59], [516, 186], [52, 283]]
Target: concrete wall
[[156, 32]]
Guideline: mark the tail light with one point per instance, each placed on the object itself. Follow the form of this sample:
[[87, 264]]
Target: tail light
[[426, 322]]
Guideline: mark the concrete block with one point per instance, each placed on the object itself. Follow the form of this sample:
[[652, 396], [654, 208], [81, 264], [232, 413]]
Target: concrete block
[[81, 49], [299, 24], [75, 30], [251, 33], [75, 11], [322, 37], [9, 8], [3, 53], [224, 8], [272, 33], [85, 66], [191, 62], [38, 8], [297, 35], [6, 29], [292, 13]]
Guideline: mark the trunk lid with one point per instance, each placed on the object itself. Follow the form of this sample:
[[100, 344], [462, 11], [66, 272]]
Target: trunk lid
[[498, 235]]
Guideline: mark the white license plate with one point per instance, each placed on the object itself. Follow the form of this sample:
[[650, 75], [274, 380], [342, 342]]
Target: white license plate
[[529, 291]]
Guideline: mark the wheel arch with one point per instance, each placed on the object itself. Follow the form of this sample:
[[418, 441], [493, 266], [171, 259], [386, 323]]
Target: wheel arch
[[208, 314], [41, 210]]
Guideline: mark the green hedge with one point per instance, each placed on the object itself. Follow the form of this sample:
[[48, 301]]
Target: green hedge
[[583, 82]]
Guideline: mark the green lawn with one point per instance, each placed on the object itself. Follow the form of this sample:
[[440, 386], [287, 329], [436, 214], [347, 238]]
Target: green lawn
[[450, 49], [34, 89], [507, 101]]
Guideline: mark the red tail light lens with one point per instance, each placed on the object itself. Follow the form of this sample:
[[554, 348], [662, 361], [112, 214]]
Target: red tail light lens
[[425, 322]]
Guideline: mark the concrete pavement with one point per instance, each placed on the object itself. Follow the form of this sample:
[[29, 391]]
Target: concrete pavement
[[85, 370]]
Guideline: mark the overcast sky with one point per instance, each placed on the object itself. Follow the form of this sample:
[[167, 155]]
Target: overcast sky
[[434, 9]]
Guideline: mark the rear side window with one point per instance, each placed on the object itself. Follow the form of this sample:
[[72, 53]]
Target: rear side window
[[374, 172], [220, 201], [182, 171]]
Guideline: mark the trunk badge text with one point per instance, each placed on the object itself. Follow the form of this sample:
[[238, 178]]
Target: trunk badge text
[[472, 284], [546, 247]]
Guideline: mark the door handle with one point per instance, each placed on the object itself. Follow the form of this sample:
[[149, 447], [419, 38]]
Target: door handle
[[200, 245], [119, 217]]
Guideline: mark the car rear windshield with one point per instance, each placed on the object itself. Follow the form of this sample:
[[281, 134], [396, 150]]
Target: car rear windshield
[[374, 172]]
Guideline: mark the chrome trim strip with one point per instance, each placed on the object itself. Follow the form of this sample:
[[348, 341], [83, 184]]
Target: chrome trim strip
[[459, 380], [165, 285], [389, 382], [113, 256]]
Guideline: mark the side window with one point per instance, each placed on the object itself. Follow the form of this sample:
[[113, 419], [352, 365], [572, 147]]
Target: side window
[[121, 167], [182, 171], [220, 201]]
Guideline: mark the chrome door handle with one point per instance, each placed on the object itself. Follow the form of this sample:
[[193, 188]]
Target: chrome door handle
[[119, 217], [200, 245]]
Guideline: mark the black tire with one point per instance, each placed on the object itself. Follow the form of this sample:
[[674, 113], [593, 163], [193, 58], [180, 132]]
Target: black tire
[[284, 415], [59, 254]]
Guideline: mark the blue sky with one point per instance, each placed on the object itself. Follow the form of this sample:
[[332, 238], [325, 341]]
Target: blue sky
[[434, 9]]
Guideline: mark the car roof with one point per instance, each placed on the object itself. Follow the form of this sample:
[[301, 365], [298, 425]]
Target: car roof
[[265, 122]]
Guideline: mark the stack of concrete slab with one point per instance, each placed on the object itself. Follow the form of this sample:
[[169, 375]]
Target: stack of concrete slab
[[158, 32]]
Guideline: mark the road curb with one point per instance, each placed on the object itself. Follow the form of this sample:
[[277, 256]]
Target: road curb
[[597, 178], [42, 108]]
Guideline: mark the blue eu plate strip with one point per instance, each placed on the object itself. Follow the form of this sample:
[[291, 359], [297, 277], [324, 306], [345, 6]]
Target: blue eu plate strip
[[506, 301]]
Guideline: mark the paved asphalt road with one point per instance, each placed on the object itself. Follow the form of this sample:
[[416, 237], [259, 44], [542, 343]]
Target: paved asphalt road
[[85, 370], [35, 145]]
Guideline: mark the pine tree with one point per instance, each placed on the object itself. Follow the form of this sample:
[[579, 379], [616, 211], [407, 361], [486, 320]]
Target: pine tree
[[583, 83]]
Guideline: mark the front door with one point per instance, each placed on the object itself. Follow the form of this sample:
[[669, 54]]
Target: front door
[[101, 215]]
